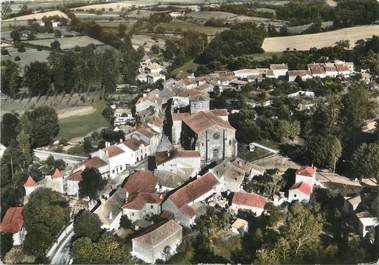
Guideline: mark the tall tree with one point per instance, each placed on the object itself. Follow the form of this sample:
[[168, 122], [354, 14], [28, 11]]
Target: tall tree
[[10, 78], [92, 182], [9, 128], [365, 161], [87, 224], [324, 150], [46, 213], [6, 240], [37, 78]]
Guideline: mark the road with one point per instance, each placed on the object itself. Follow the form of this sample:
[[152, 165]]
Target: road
[[62, 253], [69, 159]]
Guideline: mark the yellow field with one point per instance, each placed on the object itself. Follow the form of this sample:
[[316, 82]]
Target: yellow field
[[319, 40]]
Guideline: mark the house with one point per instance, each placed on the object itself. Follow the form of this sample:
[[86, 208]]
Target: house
[[170, 180], [300, 191], [158, 242], [366, 223], [317, 70], [229, 175], [184, 201], [240, 226], [301, 93], [248, 201], [199, 103], [176, 129], [140, 181], [343, 69], [209, 134], [307, 175], [147, 101], [279, 69], [135, 150], [303, 74], [110, 210], [141, 205], [173, 160], [148, 136], [73, 181], [330, 70], [30, 185], [13, 223], [55, 181], [115, 158]]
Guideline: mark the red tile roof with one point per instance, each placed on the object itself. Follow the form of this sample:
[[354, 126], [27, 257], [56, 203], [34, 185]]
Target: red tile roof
[[188, 92], [138, 201], [298, 73], [303, 187], [13, 220], [342, 68], [141, 181], [220, 112], [29, 182], [113, 150], [76, 176], [306, 171], [150, 98], [281, 66], [316, 68], [193, 190], [249, 199], [202, 120], [164, 156], [95, 162], [57, 173], [134, 144]]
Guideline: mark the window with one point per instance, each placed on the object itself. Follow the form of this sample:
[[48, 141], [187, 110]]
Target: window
[[230, 142], [216, 135], [152, 207]]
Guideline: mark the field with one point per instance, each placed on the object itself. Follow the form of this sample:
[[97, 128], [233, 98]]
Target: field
[[319, 40], [178, 25], [76, 126], [67, 43], [38, 16]]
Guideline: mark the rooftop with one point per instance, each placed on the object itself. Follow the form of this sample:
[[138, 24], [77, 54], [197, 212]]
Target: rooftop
[[138, 201], [141, 181], [13, 220], [29, 182], [249, 199], [202, 120], [303, 187], [159, 234], [112, 150], [308, 171]]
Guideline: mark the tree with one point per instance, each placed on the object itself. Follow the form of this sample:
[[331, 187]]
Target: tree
[[10, 78], [6, 240], [87, 224], [15, 35], [365, 161], [92, 182], [298, 239], [107, 251], [46, 213], [37, 78], [126, 223], [109, 70], [324, 150], [57, 33], [9, 128], [44, 126]]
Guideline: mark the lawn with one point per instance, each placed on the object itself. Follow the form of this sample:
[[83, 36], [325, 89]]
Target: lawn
[[77, 126], [178, 25], [189, 66], [244, 153]]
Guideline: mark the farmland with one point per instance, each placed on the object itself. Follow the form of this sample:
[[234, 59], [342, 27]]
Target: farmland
[[319, 40], [178, 25]]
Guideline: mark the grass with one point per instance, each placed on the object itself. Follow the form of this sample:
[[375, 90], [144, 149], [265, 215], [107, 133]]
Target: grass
[[178, 25], [265, 55], [77, 126], [189, 66], [244, 153]]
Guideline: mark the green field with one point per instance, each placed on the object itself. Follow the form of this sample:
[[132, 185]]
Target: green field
[[77, 126], [178, 25], [189, 66]]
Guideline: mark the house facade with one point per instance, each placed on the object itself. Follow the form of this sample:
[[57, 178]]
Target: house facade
[[13, 223], [142, 205]]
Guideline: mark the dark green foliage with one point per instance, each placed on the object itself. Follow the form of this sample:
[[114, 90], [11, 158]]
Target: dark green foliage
[[351, 12], [6, 243], [87, 224], [365, 161], [126, 223], [45, 214], [37, 78], [92, 182], [9, 128], [10, 78]]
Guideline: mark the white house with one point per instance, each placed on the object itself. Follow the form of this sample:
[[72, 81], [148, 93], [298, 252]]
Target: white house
[[159, 243], [13, 223], [147, 135], [300, 191], [135, 150], [303, 74], [248, 201], [279, 69], [240, 226], [177, 159], [366, 223], [306, 175], [301, 93], [115, 158], [55, 181], [142, 205], [317, 70], [147, 101], [30, 185]]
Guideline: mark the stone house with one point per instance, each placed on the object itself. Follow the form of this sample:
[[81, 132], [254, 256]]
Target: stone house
[[209, 134], [248, 201], [157, 242], [141, 205], [13, 223], [183, 202]]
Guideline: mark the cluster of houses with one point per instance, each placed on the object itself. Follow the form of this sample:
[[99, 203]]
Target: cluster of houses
[[150, 72]]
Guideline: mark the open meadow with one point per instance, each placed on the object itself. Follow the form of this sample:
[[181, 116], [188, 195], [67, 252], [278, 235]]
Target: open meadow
[[319, 40]]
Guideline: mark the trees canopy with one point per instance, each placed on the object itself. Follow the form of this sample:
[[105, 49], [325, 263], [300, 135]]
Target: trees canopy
[[9, 128], [10, 78], [365, 161], [324, 151], [87, 224], [6, 243], [37, 78], [46, 213], [92, 182]]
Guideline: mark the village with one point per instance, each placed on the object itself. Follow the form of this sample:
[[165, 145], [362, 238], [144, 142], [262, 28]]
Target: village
[[173, 163]]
